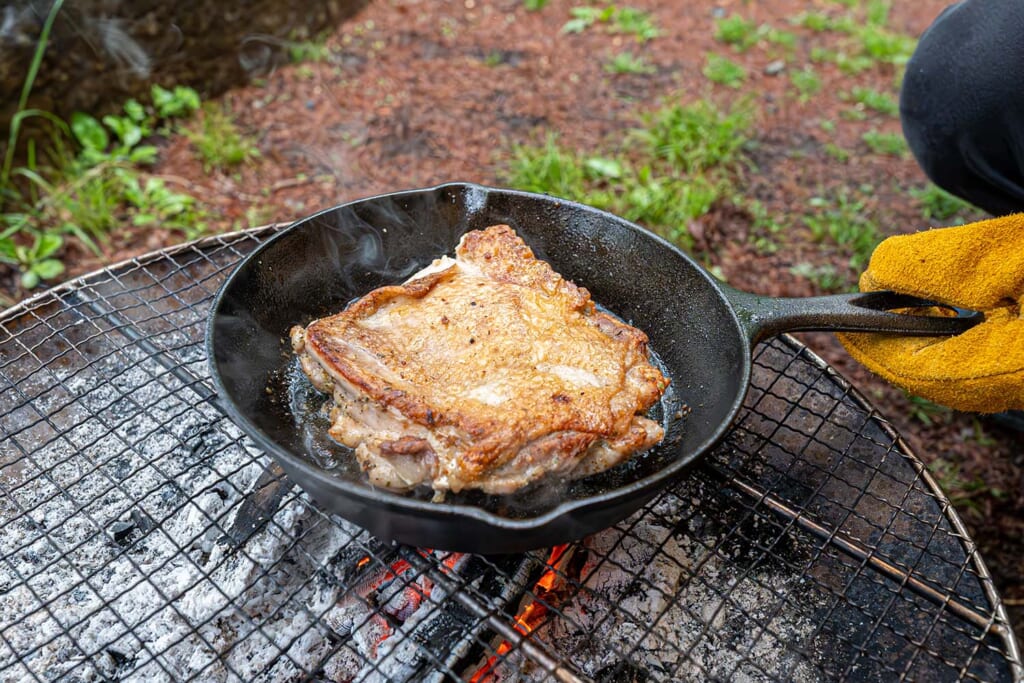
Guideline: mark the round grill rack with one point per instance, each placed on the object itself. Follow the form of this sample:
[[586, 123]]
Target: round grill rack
[[144, 538]]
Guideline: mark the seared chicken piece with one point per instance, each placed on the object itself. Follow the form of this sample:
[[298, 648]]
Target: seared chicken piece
[[483, 372]]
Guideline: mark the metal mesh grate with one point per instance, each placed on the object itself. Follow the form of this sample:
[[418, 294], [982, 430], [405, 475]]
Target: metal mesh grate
[[144, 538]]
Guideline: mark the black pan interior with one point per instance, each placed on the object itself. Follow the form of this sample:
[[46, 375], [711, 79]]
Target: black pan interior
[[322, 263]]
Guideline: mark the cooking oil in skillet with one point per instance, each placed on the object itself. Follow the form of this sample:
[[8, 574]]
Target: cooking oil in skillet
[[310, 410]]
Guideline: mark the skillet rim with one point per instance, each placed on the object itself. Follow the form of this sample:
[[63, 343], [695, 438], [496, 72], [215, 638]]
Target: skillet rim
[[377, 496]]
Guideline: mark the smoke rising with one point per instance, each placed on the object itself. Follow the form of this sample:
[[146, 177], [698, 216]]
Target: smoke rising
[[120, 46], [102, 52]]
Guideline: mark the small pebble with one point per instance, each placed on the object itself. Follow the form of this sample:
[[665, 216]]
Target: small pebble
[[775, 68]]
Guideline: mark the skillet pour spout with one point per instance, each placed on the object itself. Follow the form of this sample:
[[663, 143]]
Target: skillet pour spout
[[700, 330]]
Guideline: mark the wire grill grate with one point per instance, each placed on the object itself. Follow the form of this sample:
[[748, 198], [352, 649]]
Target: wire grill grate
[[143, 537]]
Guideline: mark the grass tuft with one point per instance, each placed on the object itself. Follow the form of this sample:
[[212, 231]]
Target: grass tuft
[[891, 144], [825, 277], [626, 20], [736, 31], [937, 204], [876, 101], [724, 71], [90, 179], [628, 63], [696, 137], [549, 169], [806, 81], [686, 160], [844, 220], [218, 140]]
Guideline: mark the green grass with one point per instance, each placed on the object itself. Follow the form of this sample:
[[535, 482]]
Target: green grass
[[88, 176], [660, 201], [977, 434], [875, 101], [937, 204], [885, 46], [665, 203], [877, 12], [34, 259], [819, 22], [825, 277], [175, 103], [891, 144], [786, 39], [844, 220], [961, 491], [765, 227], [736, 31], [724, 71], [548, 168], [820, 55], [635, 22], [927, 412], [218, 140], [628, 63], [696, 137], [625, 20], [853, 64], [867, 41], [853, 114], [837, 153], [806, 81], [815, 21], [308, 51], [535, 5], [669, 171]]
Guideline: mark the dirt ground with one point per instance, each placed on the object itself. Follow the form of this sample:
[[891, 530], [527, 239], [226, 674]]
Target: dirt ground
[[416, 92]]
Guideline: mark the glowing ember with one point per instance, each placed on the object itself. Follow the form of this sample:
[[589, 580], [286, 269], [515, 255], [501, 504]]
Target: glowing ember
[[532, 613], [398, 604]]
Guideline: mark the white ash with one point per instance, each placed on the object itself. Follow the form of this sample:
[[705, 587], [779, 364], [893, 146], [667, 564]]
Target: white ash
[[174, 604], [693, 616]]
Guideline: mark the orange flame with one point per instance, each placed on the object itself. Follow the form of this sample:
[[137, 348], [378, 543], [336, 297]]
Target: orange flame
[[533, 612], [412, 596]]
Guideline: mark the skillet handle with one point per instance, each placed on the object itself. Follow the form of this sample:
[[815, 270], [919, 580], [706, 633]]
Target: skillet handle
[[764, 317]]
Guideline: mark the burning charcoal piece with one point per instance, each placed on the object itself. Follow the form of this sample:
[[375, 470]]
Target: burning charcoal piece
[[121, 532], [142, 521], [396, 621], [533, 611], [622, 672], [258, 507]]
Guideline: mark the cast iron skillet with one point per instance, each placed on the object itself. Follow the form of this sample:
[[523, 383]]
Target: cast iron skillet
[[701, 330]]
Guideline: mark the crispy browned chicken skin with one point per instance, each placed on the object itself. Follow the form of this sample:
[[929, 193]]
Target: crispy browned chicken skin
[[487, 372]]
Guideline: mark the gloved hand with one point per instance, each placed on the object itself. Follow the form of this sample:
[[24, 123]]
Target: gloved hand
[[978, 266]]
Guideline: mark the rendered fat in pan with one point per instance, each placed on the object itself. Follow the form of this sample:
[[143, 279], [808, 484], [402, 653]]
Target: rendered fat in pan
[[701, 332]]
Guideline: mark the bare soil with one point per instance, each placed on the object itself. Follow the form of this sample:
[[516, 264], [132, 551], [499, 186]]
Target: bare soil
[[418, 92]]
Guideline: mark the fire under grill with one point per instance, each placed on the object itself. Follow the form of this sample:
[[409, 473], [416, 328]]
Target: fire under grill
[[145, 539]]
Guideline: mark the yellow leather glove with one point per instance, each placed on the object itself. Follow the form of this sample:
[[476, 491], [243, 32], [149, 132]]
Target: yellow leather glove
[[978, 266]]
